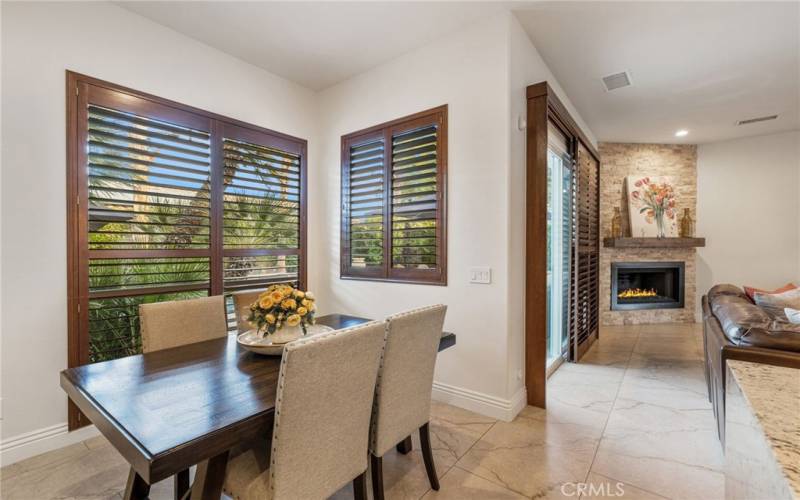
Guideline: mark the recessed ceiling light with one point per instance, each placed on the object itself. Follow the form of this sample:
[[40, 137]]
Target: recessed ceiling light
[[681, 133]]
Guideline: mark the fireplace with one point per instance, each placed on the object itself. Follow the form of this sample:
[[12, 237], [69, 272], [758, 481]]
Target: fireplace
[[646, 285]]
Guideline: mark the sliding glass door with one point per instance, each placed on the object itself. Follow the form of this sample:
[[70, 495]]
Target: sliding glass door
[[559, 247]]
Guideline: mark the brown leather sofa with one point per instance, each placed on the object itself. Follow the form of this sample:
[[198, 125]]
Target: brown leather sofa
[[735, 328]]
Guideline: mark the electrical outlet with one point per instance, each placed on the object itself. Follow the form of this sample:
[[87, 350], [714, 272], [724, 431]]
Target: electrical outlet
[[482, 275]]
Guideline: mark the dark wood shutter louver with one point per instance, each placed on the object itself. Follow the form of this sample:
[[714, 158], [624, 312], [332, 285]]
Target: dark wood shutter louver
[[585, 312], [367, 204], [414, 199], [148, 194], [261, 216], [149, 183], [393, 200], [168, 202]]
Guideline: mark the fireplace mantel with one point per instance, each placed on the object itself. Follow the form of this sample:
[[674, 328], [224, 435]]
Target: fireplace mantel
[[654, 242]]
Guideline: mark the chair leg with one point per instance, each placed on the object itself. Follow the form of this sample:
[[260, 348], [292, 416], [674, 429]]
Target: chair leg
[[376, 464], [405, 446], [360, 486], [181, 484], [427, 455]]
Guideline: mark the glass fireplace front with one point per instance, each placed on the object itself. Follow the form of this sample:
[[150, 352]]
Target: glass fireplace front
[[647, 285]]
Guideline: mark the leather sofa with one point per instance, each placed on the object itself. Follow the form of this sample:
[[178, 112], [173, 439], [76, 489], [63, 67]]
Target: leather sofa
[[735, 328]]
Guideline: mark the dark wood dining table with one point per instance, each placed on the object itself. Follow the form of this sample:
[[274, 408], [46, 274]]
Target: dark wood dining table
[[167, 410]]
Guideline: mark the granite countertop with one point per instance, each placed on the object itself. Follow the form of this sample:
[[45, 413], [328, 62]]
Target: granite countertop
[[773, 394]]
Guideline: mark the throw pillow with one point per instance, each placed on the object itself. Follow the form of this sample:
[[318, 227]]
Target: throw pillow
[[751, 291], [775, 303], [793, 315]]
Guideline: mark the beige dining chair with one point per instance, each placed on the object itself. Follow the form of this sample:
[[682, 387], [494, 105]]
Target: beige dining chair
[[403, 392], [241, 305], [322, 412], [180, 322]]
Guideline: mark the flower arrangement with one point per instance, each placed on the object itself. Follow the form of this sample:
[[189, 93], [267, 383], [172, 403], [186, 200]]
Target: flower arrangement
[[282, 305], [655, 201]]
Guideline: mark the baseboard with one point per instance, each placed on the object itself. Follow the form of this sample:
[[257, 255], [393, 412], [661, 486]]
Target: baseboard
[[501, 409], [41, 441]]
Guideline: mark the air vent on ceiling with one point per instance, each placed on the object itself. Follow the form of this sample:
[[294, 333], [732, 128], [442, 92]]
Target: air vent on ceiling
[[756, 120], [617, 81]]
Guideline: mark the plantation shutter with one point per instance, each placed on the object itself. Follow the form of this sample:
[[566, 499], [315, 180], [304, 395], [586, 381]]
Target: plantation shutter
[[364, 206], [586, 268], [261, 210], [170, 203], [415, 200], [145, 196], [393, 200]]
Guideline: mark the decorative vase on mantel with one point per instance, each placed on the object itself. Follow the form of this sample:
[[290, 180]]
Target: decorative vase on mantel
[[616, 224], [687, 224]]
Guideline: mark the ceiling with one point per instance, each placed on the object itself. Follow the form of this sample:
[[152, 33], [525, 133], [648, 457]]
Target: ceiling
[[315, 44], [699, 66], [694, 66]]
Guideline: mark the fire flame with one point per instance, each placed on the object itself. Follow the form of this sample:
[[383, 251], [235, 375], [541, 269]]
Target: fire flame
[[633, 293]]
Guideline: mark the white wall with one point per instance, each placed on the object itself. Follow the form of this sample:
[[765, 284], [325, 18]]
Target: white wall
[[466, 70], [481, 73], [748, 209], [39, 42], [526, 67]]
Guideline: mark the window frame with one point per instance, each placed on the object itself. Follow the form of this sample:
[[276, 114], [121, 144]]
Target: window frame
[[81, 90], [385, 132]]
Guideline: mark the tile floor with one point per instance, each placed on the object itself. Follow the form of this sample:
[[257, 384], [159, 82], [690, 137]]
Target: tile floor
[[632, 421]]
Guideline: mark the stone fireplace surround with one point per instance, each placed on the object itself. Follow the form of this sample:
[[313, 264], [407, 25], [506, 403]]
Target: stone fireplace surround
[[617, 161]]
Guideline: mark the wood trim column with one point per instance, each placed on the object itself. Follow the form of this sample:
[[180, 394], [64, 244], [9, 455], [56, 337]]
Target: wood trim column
[[536, 251], [544, 106]]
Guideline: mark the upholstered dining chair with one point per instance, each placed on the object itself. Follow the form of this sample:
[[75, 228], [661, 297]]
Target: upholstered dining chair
[[180, 322], [241, 305], [403, 393], [322, 413]]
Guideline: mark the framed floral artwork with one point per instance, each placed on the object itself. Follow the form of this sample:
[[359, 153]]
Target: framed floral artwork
[[651, 206]]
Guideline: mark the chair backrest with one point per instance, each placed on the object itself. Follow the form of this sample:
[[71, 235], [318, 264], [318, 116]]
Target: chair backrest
[[405, 380], [241, 306], [322, 413], [180, 322]]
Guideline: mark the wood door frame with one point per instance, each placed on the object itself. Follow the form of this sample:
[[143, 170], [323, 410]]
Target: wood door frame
[[542, 106]]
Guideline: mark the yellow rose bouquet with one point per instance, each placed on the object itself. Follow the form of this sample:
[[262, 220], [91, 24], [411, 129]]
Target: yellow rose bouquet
[[282, 305]]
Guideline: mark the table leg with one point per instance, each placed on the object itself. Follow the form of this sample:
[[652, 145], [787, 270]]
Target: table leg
[[181, 484], [405, 446], [209, 477], [136, 488]]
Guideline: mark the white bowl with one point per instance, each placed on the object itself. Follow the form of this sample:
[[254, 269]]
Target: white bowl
[[253, 341]]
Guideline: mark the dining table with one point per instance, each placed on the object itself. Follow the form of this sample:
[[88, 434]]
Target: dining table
[[168, 410]]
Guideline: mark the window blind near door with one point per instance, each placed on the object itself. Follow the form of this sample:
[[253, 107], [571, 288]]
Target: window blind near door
[[585, 314], [414, 199], [556, 140], [148, 203], [261, 215], [367, 204]]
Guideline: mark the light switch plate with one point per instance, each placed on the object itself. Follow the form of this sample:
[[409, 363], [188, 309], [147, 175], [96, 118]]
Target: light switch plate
[[482, 275]]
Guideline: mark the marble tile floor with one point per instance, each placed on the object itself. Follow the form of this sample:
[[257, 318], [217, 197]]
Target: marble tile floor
[[631, 421]]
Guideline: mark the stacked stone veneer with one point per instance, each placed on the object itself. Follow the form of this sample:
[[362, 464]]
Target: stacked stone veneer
[[618, 161]]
